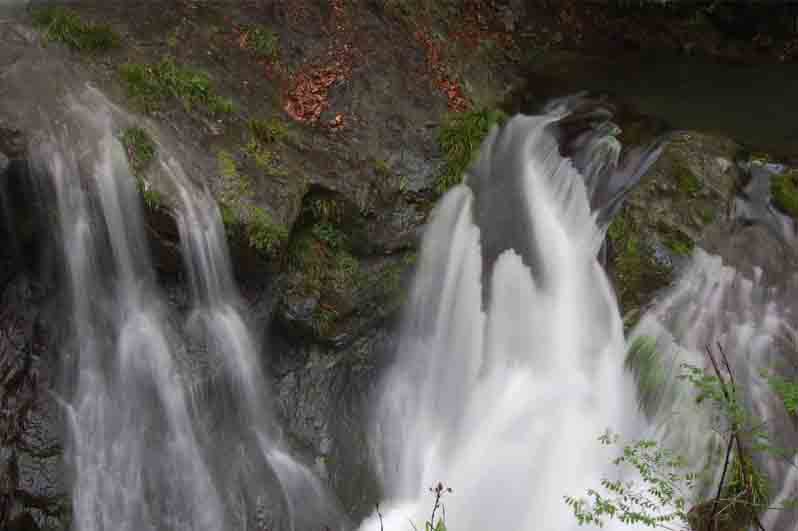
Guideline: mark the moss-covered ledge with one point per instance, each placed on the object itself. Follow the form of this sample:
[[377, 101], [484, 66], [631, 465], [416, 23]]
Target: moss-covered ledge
[[686, 191]]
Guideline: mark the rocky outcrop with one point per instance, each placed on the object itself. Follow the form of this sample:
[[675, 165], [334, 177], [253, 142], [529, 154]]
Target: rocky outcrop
[[687, 192]]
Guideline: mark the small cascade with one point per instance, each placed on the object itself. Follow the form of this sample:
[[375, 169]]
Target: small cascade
[[714, 306], [169, 415]]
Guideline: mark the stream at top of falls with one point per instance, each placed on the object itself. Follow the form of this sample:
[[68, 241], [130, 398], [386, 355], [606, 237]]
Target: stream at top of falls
[[512, 359]]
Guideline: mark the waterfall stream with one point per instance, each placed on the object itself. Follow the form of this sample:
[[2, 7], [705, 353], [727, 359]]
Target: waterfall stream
[[170, 421]]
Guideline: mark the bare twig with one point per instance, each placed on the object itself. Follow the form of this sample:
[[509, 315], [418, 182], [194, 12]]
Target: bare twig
[[379, 515]]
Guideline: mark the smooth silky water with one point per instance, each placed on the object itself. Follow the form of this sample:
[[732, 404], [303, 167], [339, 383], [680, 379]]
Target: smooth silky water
[[169, 416]]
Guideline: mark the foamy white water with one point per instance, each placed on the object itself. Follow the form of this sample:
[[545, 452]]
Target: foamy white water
[[504, 401]]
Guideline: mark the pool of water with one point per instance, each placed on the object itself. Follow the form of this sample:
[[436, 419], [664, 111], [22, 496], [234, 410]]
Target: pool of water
[[756, 105]]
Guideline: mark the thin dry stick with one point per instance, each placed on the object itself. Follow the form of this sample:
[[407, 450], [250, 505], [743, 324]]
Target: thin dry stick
[[379, 515]]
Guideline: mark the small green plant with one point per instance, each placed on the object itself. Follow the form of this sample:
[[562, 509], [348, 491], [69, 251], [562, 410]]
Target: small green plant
[[784, 188], [437, 525], [264, 42], [139, 147], [153, 199], [328, 233], [663, 499], [264, 234], [742, 491], [679, 247], [268, 131], [264, 159], [241, 218], [150, 85], [786, 390], [634, 266], [689, 184], [460, 137], [326, 209], [141, 151], [64, 25]]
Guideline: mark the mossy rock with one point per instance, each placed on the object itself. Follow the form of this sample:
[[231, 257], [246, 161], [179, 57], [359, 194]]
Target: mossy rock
[[784, 189], [685, 192]]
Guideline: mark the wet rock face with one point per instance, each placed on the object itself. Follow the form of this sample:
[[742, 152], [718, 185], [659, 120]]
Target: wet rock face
[[33, 493]]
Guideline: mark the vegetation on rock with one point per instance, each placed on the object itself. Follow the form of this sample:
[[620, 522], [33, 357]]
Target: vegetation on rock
[[141, 150], [662, 496], [635, 266], [784, 188], [151, 85], [139, 147], [460, 138], [263, 42], [241, 217], [63, 25]]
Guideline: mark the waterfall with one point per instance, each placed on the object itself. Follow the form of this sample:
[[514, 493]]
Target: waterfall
[[512, 354], [503, 400], [169, 415]]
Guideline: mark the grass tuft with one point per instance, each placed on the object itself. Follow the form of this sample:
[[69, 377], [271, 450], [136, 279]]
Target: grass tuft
[[784, 189], [150, 85], [264, 43], [139, 147], [460, 137], [63, 25]]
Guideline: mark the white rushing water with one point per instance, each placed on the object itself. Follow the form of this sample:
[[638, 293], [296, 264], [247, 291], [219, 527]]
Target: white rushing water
[[512, 358], [169, 418], [504, 401]]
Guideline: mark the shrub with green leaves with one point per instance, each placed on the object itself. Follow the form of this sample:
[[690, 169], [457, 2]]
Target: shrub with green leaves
[[64, 25], [150, 85], [460, 137], [666, 486]]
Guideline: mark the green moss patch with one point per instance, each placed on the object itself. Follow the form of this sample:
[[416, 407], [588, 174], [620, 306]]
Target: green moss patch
[[242, 219], [784, 189], [264, 134], [321, 266], [263, 42], [139, 147], [151, 85], [460, 138], [63, 25], [636, 272], [688, 183], [141, 151]]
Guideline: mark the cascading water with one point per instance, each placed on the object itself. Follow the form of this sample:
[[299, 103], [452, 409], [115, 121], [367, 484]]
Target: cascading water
[[504, 401], [714, 306], [170, 423], [501, 391]]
